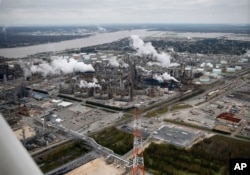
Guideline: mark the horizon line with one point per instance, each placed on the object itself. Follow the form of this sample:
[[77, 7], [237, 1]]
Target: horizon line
[[96, 24]]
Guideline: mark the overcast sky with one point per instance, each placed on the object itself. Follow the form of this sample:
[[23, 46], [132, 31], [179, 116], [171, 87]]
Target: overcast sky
[[26, 12]]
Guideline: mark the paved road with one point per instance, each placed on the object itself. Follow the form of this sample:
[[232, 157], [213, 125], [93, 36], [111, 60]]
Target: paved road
[[48, 147]]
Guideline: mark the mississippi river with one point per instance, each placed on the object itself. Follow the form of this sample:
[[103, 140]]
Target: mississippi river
[[100, 38]]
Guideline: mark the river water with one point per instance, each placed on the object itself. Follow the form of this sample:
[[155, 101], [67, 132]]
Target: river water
[[100, 38]]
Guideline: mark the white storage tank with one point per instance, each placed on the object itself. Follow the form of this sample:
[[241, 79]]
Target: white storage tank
[[244, 60], [230, 69], [238, 67], [206, 73], [217, 66], [217, 71], [204, 79], [223, 62]]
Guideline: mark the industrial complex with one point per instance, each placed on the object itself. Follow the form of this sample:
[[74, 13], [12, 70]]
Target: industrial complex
[[156, 95]]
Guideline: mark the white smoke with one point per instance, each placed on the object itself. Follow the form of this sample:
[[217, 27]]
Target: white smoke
[[164, 76], [3, 29], [101, 29], [85, 84], [124, 64], [58, 65], [174, 64], [113, 62], [158, 78], [147, 49], [95, 80], [150, 63], [144, 70], [207, 64], [247, 53]]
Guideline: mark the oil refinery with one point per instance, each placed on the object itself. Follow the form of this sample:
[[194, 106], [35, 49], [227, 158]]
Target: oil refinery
[[151, 94]]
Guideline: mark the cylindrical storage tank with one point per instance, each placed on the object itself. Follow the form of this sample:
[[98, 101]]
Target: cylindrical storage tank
[[244, 60], [204, 79], [230, 69], [217, 71], [206, 73], [238, 67], [223, 62], [218, 66]]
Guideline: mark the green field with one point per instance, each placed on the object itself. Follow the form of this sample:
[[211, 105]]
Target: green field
[[60, 155], [155, 112], [116, 140], [180, 106], [164, 108]]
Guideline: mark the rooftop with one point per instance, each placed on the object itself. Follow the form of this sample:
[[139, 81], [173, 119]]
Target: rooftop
[[228, 116], [177, 136]]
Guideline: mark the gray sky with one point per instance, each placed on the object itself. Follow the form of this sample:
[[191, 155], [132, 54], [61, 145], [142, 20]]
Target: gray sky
[[21, 12]]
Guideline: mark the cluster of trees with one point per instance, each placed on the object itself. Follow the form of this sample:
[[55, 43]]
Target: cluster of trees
[[87, 50], [168, 159], [116, 140], [17, 40], [221, 148], [210, 28], [123, 45], [62, 155], [205, 46], [208, 157]]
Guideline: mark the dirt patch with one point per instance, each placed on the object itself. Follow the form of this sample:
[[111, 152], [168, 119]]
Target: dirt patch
[[96, 167], [29, 132]]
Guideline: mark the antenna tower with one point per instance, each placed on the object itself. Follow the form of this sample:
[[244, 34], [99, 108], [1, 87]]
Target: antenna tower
[[138, 161]]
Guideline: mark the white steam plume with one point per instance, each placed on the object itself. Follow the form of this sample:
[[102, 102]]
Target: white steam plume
[[59, 65], [158, 78], [144, 70], [95, 80], [101, 29], [85, 84], [207, 64], [124, 64], [147, 49], [164, 76], [174, 64], [150, 63], [247, 53], [113, 62]]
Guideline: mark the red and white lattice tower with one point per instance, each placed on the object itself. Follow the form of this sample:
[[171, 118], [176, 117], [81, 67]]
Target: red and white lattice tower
[[138, 161]]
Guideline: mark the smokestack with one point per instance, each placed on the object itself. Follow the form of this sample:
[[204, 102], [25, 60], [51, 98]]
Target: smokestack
[[121, 83], [5, 78]]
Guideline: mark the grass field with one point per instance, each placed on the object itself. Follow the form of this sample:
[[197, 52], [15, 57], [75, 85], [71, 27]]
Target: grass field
[[61, 155], [116, 140], [180, 106], [164, 108], [155, 112]]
